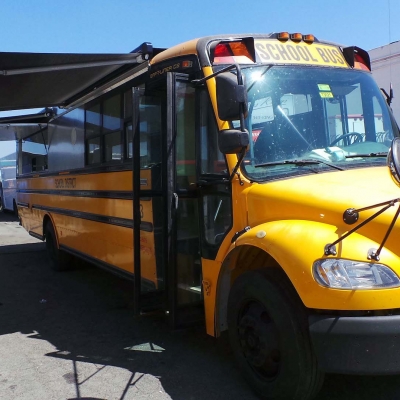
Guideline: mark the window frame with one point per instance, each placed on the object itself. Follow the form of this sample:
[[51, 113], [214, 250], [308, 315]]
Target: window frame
[[103, 132]]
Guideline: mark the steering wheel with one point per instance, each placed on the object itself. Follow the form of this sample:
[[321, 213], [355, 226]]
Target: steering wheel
[[348, 138]]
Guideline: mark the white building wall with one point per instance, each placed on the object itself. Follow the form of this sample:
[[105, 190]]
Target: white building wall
[[385, 62]]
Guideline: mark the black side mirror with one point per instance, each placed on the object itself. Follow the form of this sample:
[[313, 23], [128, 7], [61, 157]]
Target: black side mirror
[[389, 97], [393, 160], [232, 141], [231, 97]]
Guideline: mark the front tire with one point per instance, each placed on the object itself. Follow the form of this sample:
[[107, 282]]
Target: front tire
[[268, 330]]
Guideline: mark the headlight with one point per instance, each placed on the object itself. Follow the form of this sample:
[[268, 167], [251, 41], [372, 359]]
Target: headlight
[[347, 274]]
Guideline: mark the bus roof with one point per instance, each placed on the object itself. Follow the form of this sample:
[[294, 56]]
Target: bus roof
[[65, 80]]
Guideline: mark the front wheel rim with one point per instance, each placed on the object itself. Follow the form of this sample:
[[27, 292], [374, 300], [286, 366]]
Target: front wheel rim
[[258, 338]]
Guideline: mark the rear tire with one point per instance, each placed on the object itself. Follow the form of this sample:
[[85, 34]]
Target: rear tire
[[268, 331], [59, 260], [15, 208]]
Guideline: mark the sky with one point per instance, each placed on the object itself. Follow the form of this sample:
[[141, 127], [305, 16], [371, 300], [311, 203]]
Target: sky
[[119, 26]]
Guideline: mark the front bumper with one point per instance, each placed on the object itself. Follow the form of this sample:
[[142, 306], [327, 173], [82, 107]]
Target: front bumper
[[357, 345]]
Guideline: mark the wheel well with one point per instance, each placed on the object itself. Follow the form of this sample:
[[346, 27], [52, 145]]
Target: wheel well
[[242, 259]]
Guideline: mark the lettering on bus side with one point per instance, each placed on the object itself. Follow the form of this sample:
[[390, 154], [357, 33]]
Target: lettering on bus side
[[300, 53], [165, 70], [65, 183]]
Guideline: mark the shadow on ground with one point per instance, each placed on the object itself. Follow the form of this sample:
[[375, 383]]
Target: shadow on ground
[[87, 315]]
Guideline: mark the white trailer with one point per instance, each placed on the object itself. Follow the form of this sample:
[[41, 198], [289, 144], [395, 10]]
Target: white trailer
[[8, 189], [385, 62]]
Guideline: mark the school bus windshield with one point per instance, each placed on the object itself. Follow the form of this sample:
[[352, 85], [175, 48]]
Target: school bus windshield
[[336, 116]]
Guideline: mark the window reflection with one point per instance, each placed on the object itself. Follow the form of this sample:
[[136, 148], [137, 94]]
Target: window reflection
[[34, 152], [112, 114], [93, 151], [103, 131], [112, 146]]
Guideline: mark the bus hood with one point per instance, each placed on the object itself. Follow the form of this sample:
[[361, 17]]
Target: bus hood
[[325, 197]]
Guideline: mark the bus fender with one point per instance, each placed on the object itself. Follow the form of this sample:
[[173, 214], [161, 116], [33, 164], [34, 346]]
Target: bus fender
[[293, 246]]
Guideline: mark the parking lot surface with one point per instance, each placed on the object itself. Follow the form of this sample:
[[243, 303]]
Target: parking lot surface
[[72, 335]]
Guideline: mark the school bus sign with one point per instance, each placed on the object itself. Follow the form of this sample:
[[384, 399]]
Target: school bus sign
[[271, 51]]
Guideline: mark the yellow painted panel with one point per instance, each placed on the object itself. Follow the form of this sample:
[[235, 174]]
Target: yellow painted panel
[[210, 271], [106, 242], [296, 244]]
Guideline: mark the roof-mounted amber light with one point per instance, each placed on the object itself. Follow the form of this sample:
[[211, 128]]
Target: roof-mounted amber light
[[308, 38], [296, 37], [283, 35]]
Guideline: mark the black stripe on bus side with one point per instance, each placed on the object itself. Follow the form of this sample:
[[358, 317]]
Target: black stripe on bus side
[[124, 222], [101, 194], [24, 205], [80, 171]]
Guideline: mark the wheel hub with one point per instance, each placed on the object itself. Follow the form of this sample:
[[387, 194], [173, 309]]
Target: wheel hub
[[258, 339]]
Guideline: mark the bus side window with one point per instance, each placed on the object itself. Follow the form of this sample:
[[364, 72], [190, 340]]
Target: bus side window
[[212, 160], [216, 198], [217, 214], [103, 131], [185, 141], [34, 152]]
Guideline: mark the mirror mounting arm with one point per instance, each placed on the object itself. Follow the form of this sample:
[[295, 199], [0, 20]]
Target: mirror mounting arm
[[197, 82], [389, 97], [239, 161]]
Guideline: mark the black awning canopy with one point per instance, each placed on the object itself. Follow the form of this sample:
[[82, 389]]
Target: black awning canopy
[[37, 80]]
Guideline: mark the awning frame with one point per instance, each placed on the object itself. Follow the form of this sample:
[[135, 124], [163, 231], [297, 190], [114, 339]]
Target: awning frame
[[39, 80], [65, 67]]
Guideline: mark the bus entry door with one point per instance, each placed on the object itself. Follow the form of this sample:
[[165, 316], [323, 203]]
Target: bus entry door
[[166, 221], [185, 296], [149, 186]]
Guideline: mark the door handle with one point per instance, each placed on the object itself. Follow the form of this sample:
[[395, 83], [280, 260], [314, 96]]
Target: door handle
[[175, 200]]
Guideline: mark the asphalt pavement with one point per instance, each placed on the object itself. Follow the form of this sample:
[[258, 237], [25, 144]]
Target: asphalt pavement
[[73, 335]]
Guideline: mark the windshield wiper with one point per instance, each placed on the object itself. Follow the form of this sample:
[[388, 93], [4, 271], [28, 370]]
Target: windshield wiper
[[299, 163], [365, 155]]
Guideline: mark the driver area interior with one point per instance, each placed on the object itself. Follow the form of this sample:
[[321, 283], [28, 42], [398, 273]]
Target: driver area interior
[[288, 137]]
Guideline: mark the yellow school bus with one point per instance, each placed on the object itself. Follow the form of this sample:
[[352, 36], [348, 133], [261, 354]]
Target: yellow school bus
[[250, 180]]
